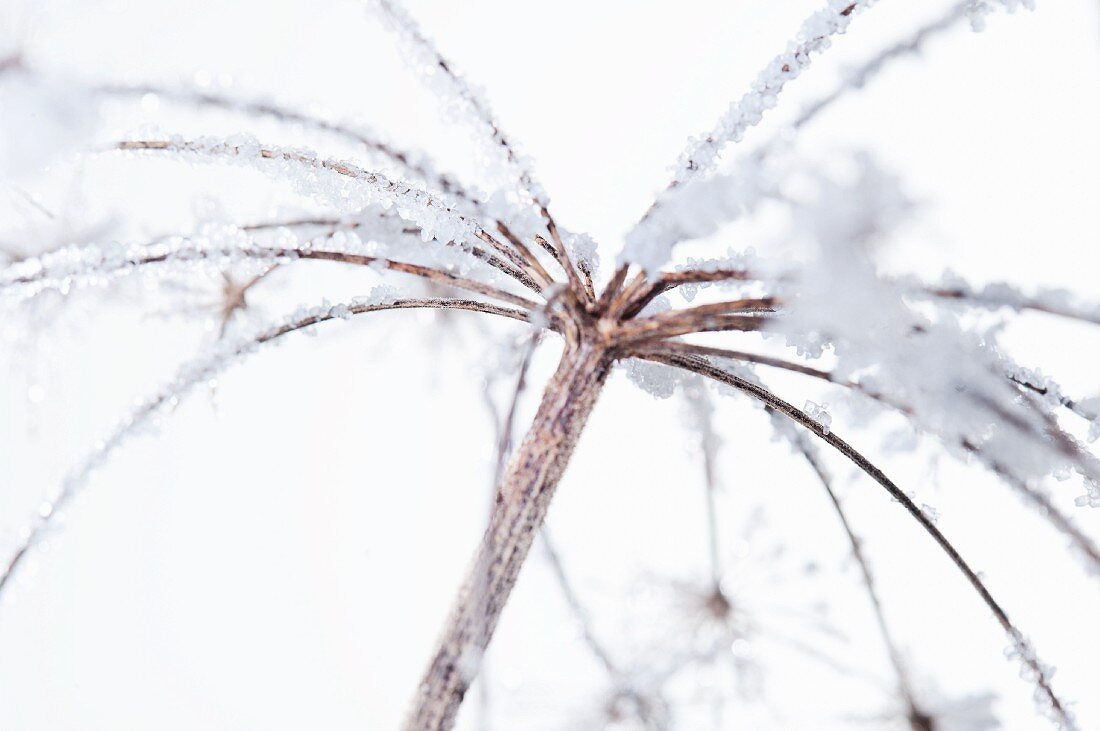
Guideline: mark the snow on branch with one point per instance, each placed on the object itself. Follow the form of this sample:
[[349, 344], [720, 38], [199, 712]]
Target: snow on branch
[[462, 100], [411, 164], [857, 77], [815, 36], [693, 206], [217, 248], [996, 295]]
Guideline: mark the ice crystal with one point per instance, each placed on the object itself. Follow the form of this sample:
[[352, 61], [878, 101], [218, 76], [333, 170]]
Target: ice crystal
[[977, 10], [820, 414]]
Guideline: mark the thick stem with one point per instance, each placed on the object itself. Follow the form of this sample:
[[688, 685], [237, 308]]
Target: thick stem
[[523, 496]]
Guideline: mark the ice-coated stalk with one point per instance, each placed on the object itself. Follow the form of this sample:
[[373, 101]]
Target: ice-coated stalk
[[522, 499]]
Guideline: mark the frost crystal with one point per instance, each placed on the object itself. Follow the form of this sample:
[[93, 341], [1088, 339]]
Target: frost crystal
[[977, 10], [819, 414], [656, 379]]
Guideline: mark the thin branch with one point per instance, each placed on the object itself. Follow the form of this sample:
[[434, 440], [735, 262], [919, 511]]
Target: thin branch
[[625, 296], [1003, 295], [410, 230], [1022, 647], [1088, 548], [563, 256], [703, 150], [684, 322], [858, 77], [519, 260], [459, 92], [58, 267], [526, 253], [665, 281], [434, 216], [611, 291], [413, 164], [201, 371], [905, 685]]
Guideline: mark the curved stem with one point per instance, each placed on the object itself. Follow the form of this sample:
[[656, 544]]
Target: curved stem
[[148, 256], [421, 205], [1088, 548], [201, 371], [480, 254], [413, 162], [1027, 655]]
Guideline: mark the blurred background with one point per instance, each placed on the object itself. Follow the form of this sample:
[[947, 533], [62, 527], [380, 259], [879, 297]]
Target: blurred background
[[280, 551]]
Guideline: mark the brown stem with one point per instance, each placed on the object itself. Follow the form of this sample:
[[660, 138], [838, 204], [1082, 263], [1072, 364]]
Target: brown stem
[[684, 322], [522, 248], [523, 497], [153, 256], [563, 256], [410, 230]]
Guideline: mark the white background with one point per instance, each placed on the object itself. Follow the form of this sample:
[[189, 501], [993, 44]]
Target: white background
[[280, 554]]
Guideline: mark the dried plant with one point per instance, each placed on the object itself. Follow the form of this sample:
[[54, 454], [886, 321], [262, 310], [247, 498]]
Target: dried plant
[[896, 344]]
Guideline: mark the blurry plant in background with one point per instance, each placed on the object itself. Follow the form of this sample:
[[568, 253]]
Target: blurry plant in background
[[681, 322]]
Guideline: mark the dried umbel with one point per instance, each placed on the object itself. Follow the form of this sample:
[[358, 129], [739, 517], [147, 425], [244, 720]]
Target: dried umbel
[[892, 341]]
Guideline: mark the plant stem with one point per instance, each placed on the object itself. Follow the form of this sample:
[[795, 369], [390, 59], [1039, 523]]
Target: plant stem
[[522, 499]]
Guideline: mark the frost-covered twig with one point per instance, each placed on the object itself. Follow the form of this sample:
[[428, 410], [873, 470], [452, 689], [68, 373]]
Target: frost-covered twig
[[857, 77], [702, 152], [452, 88], [414, 165], [701, 205], [815, 36], [1002, 295], [93, 263], [224, 354], [1032, 495], [435, 218], [1035, 670], [411, 230]]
